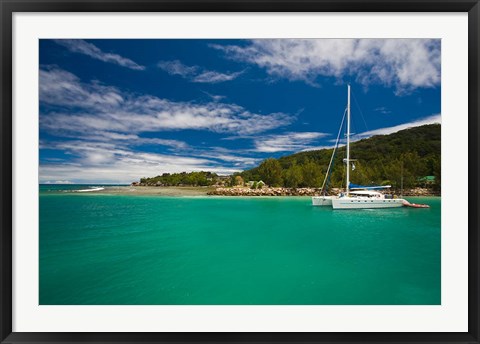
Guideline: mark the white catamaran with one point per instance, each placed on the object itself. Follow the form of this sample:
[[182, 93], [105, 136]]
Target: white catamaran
[[355, 196]]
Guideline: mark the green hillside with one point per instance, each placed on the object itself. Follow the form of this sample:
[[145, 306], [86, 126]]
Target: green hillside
[[384, 159]]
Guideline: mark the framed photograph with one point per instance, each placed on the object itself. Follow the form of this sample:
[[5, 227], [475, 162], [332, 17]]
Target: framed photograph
[[239, 172]]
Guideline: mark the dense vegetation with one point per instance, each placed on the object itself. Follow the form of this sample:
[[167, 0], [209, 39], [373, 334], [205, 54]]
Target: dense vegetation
[[407, 155], [182, 179]]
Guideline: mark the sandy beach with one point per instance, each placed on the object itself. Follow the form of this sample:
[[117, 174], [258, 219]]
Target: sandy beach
[[156, 191]]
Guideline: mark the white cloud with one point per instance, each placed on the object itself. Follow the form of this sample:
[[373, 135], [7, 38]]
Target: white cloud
[[131, 139], [106, 162], [238, 161], [106, 128], [230, 156], [214, 97], [196, 73], [312, 148], [382, 110], [404, 63], [288, 142], [390, 130], [107, 110], [177, 68], [82, 47], [57, 182], [61, 88], [211, 77], [125, 169]]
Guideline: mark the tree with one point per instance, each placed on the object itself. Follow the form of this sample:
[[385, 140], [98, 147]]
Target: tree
[[293, 176], [312, 177], [271, 172], [395, 173], [239, 180], [413, 163], [193, 178], [437, 172]]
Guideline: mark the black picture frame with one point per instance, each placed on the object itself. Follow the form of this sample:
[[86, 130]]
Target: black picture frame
[[8, 7]]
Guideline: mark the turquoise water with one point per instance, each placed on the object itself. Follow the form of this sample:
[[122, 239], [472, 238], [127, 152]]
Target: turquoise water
[[100, 249]]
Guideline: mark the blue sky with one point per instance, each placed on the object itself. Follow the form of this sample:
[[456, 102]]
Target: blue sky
[[113, 111]]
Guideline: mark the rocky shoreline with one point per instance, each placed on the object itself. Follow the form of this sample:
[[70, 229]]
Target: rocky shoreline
[[280, 191], [420, 192], [244, 191]]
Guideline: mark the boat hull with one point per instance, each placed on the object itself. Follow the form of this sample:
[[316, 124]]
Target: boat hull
[[364, 203], [322, 201]]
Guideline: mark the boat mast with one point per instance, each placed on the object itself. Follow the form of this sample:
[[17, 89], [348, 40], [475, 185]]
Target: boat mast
[[347, 188]]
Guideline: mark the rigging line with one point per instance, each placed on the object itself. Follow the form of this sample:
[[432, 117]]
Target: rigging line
[[366, 127], [325, 181], [360, 110]]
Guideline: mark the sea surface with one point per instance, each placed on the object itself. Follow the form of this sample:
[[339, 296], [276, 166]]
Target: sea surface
[[105, 249]]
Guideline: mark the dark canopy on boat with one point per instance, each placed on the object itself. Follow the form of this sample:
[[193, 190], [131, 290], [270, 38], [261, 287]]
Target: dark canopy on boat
[[371, 187]]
